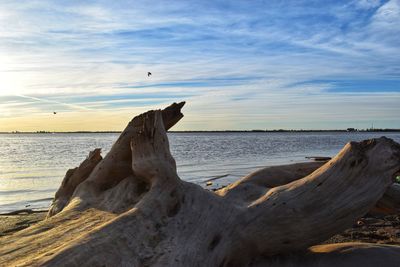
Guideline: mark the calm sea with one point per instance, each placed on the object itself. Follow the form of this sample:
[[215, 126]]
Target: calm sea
[[32, 165]]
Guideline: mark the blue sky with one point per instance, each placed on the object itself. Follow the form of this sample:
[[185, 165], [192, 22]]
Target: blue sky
[[238, 64]]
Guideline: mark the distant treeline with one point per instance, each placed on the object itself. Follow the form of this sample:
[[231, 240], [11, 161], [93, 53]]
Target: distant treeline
[[224, 131]]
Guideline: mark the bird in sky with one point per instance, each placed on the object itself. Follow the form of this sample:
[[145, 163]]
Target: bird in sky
[[148, 74]]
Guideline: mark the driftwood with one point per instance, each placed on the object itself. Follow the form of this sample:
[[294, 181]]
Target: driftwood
[[319, 158], [134, 210]]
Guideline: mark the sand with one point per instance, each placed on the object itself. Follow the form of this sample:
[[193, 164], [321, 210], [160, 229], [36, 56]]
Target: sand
[[372, 229], [11, 223]]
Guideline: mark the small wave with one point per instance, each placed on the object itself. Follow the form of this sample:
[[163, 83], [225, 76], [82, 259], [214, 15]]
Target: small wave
[[216, 177], [11, 192], [36, 204], [32, 177], [40, 200]]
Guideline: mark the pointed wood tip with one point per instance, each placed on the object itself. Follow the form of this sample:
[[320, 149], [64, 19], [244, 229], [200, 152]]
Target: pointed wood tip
[[172, 114]]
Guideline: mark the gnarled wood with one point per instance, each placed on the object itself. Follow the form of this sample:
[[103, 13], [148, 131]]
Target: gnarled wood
[[144, 215]]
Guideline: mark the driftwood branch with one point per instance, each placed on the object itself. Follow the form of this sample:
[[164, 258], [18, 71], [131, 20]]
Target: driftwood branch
[[134, 210]]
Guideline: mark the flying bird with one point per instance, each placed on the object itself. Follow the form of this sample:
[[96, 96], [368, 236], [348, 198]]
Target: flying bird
[[148, 74]]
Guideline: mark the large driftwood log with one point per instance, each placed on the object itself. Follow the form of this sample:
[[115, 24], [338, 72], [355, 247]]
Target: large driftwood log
[[133, 209]]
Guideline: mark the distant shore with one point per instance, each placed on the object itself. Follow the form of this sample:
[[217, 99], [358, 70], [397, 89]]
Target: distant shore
[[228, 131]]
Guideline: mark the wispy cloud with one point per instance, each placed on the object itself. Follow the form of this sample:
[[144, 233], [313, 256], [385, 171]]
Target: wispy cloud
[[240, 64]]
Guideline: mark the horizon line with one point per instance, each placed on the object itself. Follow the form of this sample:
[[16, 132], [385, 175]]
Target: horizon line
[[220, 131]]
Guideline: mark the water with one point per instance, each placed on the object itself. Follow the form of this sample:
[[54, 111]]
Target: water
[[32, 165]]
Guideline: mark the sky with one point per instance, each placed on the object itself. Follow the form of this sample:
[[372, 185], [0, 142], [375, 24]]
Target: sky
[[239, 65]]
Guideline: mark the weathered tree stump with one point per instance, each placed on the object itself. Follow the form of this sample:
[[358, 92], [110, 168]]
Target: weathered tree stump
[[134, 210]]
